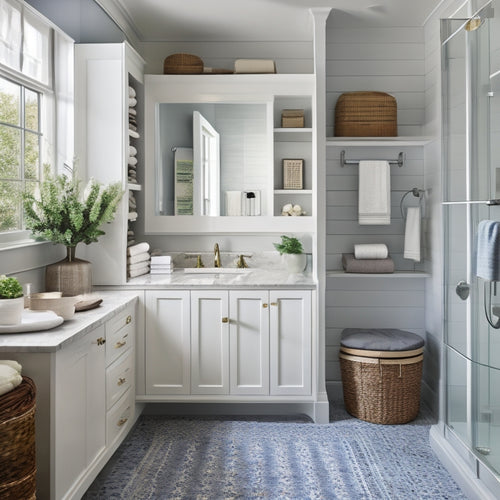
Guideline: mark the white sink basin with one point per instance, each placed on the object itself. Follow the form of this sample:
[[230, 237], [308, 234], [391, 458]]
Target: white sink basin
[[215, 270]]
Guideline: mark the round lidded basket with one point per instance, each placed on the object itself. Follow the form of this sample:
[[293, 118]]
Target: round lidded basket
[[381, 386], [182, 64], [17, 442]]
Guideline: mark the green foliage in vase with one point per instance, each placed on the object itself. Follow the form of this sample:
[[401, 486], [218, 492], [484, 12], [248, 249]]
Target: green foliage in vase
[[289, 245], [59, 212], [10, 288]]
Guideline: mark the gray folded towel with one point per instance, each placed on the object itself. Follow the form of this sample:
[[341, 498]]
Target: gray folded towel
[[488, 250], [352, 265]]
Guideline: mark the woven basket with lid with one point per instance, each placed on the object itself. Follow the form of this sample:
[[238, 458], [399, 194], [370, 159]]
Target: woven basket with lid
[[182, 64], [366, 114]]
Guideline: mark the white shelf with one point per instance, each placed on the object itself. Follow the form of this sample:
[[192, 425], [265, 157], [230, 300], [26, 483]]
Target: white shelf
[[378, 141], [292, 134], [395, 274], [292, 191]]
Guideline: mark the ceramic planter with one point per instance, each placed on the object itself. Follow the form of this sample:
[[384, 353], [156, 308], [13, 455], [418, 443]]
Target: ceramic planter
[[295, 262], [11, 311]]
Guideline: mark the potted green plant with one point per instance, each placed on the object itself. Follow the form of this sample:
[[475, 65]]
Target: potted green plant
[[11, 301], [59, 211], [292, 252]]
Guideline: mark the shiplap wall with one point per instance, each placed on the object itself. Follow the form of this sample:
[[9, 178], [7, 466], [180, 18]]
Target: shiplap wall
[[388, 60]]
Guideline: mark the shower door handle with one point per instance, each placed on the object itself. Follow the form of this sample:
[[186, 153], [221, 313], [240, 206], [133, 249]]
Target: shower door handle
[[463, 290]]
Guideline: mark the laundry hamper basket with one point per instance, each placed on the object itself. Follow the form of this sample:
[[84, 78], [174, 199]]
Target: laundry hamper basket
[[381, 374], [17, 442]]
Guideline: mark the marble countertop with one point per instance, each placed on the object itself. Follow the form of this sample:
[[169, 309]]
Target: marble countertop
[[71, 330], [255, 278]]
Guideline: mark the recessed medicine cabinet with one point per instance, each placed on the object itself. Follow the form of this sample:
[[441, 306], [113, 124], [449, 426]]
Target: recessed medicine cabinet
[[214, 150]]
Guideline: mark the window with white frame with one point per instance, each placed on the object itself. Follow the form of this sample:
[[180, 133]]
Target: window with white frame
[[36, 107]]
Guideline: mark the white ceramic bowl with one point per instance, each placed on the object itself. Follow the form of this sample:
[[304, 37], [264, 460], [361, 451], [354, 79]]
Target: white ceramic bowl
[[62, 306]]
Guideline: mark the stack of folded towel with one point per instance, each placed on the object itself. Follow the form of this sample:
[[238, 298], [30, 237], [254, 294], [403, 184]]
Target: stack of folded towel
[[368, 258], [161, 264], [10, 375], [138, 260]]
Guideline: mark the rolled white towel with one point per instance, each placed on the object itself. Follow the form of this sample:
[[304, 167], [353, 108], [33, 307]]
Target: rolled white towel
[[12, 364], [371, 251], [132, 151], [137, 249], [133, 133], [132, 160], [140, 257], [132, 102], [10, 378], [131, 91], [138, 266]]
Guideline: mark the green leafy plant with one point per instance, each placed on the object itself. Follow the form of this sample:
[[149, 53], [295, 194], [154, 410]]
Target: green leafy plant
[[60, 212], [10, 288], [289, 245]]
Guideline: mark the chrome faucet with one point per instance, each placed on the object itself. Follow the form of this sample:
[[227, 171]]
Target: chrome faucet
[[217, 256]]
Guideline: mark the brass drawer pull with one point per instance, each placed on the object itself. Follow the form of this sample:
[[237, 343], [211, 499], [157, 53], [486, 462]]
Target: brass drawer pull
[[265, 305], [274, 303], [129, 319], [122, 421], [121, 381], [120, 344], [225, 320], [100, 341]]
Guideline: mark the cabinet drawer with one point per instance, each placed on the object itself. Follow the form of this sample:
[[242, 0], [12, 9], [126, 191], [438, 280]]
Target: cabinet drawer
[[119, 416], [119, 334], [119, 377]]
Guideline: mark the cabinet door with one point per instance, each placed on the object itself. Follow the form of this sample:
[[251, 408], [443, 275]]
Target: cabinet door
[[249, 342], [209, 342], [80, 408], [290, 342], [167, 346]]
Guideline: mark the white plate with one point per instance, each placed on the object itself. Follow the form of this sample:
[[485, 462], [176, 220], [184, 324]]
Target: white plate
[[34, 321]]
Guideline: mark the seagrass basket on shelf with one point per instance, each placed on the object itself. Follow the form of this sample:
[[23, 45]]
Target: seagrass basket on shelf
[[17, 442], [366, 114], [182, 64]]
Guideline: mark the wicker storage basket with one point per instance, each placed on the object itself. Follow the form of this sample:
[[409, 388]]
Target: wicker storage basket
[[17, 442], [182, 64], [366, 114], [382, 390]]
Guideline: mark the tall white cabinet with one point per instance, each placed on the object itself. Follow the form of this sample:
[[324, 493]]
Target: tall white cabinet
[[103, 74]]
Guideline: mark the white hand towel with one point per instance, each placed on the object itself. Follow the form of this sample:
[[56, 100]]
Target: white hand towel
[[10, 378], [233, 202], [138, 266], [137, 249], [412, 234], [371, 251], [132, 151], [140, 257], [138, 272], [374, 194]]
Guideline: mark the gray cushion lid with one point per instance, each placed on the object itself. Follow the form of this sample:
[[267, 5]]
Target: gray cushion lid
[[378, 339]]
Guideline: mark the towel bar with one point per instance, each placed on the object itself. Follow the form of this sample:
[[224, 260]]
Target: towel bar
[[343, 162]]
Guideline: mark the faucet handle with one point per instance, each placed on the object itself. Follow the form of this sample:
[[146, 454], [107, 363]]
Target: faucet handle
[[241, 264], [199, 262]]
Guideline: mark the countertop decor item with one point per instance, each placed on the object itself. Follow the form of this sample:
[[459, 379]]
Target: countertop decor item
[[291, 250], [33, 321], [11, 300], [60, 212]]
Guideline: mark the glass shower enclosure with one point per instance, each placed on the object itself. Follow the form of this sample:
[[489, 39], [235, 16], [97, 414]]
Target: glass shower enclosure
[[471, 193]]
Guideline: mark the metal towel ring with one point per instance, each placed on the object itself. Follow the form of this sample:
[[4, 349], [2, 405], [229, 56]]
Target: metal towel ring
[[416, 192]]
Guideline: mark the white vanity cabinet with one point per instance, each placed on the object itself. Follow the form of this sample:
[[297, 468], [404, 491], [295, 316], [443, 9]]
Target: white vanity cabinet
[[85, 397], [228, 344]]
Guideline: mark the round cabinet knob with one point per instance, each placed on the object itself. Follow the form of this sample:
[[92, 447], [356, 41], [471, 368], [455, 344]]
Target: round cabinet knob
[[225, 320]]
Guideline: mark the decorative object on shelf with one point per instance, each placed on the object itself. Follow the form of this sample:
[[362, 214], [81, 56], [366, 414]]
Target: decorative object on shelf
[[293, 210], [366, 114], [182, 64], [62, 306], [11, 300], [138, 259], [367, 266], [254, 66], [292, 118], [292, 253], [292, 173], [58, 211]]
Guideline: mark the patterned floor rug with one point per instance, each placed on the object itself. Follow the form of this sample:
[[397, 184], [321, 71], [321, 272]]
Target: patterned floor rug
[[271, 458]]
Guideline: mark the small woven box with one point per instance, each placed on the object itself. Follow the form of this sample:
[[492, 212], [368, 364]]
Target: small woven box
[[366, 114], [182, 64], [292, 118]]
